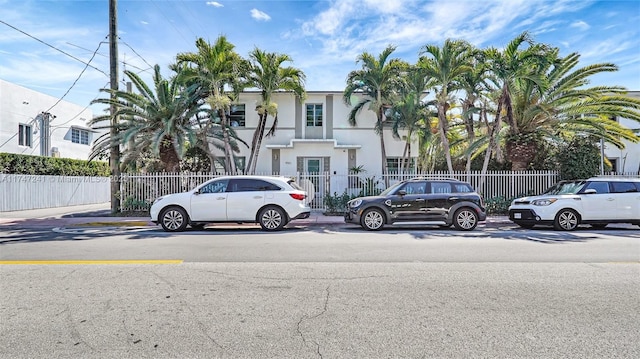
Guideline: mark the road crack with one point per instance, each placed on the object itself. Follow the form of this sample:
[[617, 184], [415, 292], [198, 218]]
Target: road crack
[[304, 318]]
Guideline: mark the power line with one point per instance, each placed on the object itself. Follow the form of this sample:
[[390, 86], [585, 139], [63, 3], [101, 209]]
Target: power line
[[51, 46], [103, 55], [137, 54], [78, 78]]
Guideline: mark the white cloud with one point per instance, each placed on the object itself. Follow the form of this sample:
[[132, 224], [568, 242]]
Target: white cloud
[[580, 25], [214, 4], [259, 15], [144, 23]]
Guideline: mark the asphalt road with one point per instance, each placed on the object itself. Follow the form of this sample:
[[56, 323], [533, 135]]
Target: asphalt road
[[324, 292]]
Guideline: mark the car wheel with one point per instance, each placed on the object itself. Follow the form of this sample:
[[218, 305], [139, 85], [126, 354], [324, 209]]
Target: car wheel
[[525, 226], [272, 219], [173, 219], [566, 220], [372, 219], [465, 219], [599, 225]]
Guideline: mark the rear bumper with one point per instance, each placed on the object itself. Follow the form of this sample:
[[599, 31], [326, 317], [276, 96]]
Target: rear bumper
[[302, 215]]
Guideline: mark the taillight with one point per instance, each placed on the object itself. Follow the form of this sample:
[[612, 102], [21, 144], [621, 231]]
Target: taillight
[[298, 196]]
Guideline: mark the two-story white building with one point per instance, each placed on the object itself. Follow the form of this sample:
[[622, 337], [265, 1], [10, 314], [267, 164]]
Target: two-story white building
[[626, 160], [315, 136], [32, 123]]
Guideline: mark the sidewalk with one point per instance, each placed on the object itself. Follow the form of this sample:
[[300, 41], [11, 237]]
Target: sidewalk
[[100, 215]]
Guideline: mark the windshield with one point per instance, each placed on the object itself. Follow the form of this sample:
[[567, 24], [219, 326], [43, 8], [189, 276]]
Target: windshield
[[566, 187], [391, 189]]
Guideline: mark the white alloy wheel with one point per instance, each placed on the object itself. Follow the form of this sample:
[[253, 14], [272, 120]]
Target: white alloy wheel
[[465, 219], [372, 219], [566, 220], [173, 219], [272, 219]]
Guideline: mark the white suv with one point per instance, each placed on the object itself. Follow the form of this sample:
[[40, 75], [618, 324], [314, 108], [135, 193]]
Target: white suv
[[597, 201], [271, 201]]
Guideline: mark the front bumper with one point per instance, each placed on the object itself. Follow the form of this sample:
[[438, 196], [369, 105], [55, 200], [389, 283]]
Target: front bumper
[[352, 216], [527, 216]]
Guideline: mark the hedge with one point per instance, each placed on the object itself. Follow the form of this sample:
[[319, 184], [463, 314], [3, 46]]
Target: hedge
[[11, 163]]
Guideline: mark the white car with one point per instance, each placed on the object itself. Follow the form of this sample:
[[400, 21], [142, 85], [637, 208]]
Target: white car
[[597, 201], [271, 201]]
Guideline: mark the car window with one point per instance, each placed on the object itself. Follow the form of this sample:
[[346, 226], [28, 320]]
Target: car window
[[440, 187], [216, 186], [566, 187], [414, 188], [600, 187], [623, 187], [462, 187], [251, 185], [637, 186]]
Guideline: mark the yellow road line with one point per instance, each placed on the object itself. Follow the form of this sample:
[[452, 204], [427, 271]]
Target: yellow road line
[[83, 262]]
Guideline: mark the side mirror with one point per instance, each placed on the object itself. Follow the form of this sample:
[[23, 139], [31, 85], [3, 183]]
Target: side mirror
[[401, 192], [590, 191], [197, 192]]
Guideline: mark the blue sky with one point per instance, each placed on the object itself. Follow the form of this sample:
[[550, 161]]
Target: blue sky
[[323, 37]]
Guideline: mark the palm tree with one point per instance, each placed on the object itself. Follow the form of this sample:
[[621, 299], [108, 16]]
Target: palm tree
[[410, 111], [378, 81], [565, 107], [509, 66], [446, 66], [161, 119], [265, 72], [215, 69]]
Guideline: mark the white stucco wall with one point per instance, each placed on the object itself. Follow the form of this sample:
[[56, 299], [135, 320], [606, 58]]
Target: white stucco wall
[[628, 159], [336, 143], [20, 105]]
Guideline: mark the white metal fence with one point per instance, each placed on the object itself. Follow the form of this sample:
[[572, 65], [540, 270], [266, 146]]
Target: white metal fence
[[139, 190], [22, 192]]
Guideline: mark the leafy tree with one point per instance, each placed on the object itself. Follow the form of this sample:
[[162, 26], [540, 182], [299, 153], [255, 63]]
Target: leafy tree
[[579, 159], [265, 71], [445, 66], [215, 68], [378, 81], [161, 119]]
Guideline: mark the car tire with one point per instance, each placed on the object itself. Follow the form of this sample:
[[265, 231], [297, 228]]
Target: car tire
[[465, 219], [174, 219], [599, 225], [566, 220], [372, 219], [272, 218]]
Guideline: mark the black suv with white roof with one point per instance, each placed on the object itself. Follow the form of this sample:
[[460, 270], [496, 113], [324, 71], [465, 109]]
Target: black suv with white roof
[[442, 202]]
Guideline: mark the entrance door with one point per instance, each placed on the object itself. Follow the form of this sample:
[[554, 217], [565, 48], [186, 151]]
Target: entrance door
[[313, 169]]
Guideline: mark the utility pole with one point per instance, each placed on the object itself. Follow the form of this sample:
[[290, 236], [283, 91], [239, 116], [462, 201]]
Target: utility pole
[[114, 158]]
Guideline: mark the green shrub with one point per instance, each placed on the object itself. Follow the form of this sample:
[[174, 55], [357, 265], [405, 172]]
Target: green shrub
[[11, 163], [338, 202]]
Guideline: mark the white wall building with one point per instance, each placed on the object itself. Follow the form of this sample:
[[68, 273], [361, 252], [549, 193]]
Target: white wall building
[[30, 124], [315, 136], [626, 160]]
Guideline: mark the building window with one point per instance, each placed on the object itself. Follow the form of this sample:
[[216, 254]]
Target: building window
[[237, 115], [240, 164], [79, 136], [393, 165], [314, 114], [24, 135]]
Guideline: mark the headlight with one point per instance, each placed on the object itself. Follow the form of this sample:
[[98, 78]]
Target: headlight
[[543, 202], [158, 200], [355, 203]]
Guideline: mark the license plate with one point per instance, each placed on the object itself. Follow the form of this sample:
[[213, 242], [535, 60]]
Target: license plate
[[517, 215]]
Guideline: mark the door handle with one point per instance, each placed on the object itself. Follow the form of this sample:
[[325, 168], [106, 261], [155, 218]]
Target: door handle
[[453, 198], [610, 199], [220, 198], [420, 200], [257, 197]]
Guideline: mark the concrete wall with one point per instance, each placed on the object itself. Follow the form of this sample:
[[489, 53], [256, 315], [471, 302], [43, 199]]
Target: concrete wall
[[19, 105], [22, 192]]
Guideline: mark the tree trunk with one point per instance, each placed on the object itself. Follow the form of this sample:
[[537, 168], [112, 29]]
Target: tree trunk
[[520, 154], [169, 156], [256, 143], [230, 164], [443, 127]]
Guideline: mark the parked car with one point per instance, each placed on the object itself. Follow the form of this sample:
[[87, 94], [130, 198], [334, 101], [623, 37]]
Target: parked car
[[270, 201], [444, 202], [596, 201]]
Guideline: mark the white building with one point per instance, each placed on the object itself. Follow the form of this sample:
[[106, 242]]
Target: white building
[[626, 160], [315, 136], [30, 124]]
